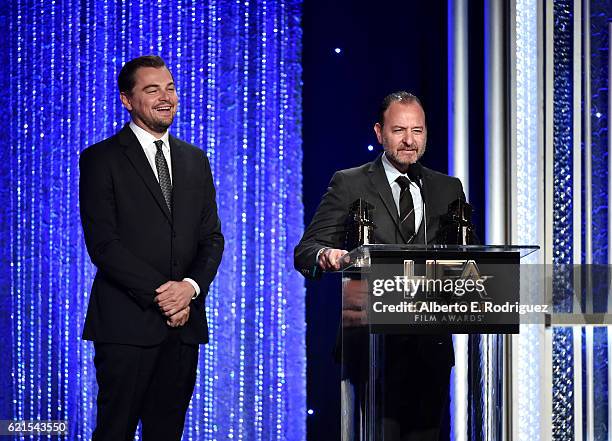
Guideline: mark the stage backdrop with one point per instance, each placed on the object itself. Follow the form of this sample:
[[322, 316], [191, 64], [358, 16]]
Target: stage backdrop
[[237, 67]]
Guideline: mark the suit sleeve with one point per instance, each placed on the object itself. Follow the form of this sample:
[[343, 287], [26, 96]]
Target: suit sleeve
[[210, 240], [99, 220], [327, 228]]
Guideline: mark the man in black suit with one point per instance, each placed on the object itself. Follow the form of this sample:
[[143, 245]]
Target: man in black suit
[[151, 228], [417, 368]]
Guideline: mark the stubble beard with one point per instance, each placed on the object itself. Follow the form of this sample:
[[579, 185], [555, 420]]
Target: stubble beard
[[400, 163], [159, 125]]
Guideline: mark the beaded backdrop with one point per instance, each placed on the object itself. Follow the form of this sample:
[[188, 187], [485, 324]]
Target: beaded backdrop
[[565, 364], [600, 14], [563, 356], [528, 344], [237, 68]]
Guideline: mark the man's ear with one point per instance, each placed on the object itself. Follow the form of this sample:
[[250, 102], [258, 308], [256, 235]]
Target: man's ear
[[125, 100], [378, 131]]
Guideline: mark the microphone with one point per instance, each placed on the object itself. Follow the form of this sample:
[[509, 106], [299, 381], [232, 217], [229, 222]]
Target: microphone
[[415, 171], [415, 174]]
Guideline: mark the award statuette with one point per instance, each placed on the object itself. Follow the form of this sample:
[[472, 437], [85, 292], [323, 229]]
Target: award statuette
[[456, 227], [359, 225]]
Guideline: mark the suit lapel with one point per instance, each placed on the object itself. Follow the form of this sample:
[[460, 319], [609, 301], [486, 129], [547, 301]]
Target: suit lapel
[[135, 154], [378, 177]]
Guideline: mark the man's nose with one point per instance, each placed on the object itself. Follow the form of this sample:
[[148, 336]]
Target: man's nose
[[408, 138]]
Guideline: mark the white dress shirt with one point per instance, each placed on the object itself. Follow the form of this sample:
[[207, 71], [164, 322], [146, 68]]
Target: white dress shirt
[[146, 141], [417, 200]]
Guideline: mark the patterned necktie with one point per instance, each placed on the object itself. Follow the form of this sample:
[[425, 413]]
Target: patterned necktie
[[163, 174], [406, 208]]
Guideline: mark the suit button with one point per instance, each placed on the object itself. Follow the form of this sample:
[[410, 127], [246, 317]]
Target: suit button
[[173, 235], [175, 263]]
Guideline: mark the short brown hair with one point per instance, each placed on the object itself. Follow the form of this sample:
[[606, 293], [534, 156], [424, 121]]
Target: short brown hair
[[400, 96], [126, 79]]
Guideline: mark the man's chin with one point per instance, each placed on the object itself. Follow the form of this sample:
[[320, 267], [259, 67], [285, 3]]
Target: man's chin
[[402, 162], [162, 126], [410, 158]]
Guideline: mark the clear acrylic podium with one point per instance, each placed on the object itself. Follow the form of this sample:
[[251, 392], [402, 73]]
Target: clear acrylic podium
[[371, 274]]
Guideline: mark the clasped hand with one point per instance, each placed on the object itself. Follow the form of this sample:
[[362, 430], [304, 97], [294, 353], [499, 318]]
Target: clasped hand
[[173, 300]]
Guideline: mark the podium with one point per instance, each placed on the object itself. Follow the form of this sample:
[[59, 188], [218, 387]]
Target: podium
[[400, 306]]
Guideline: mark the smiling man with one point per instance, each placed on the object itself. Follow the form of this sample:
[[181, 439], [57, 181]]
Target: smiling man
[[417, 369], [151, 228]]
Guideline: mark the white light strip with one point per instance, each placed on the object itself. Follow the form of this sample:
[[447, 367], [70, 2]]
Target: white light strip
[[588, 213], [577, 208], [577, 134], [577, 349], [495, 118], [506, 391], [459, 166], [590, 390], [514, 79], [459, 423], [458, 111], [485, 391], [496, 193], [588, 191]]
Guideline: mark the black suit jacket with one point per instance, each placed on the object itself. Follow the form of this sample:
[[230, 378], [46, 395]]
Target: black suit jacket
[[369, 182], [137, 244]]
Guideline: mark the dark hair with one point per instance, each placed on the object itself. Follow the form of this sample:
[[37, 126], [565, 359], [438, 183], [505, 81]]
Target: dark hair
[[126, 79], [401, 96]]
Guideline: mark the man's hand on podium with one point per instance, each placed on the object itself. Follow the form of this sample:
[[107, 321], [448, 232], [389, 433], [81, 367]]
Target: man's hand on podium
[[330, 259]]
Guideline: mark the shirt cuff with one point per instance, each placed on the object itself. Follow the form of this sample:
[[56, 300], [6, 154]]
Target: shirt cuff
[[319, 253], [195, 286], [316, 265]]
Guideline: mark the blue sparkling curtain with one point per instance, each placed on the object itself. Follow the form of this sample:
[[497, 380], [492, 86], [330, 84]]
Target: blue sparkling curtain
[[600, 14], [563, 358], [599, 57], [564, 364], [237, 67]]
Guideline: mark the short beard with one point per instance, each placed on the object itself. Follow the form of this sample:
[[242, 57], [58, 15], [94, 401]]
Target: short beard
[[399, 164], [161, 126]]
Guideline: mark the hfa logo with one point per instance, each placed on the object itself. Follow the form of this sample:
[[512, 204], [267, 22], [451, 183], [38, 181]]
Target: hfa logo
[[444, 276]]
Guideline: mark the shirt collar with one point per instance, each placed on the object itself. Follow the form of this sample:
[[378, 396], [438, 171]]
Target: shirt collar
[[146, 139], [390, 170]]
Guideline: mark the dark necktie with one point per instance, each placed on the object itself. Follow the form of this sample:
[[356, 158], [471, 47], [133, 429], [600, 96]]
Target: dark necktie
[[406, 208], [163, 174]]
